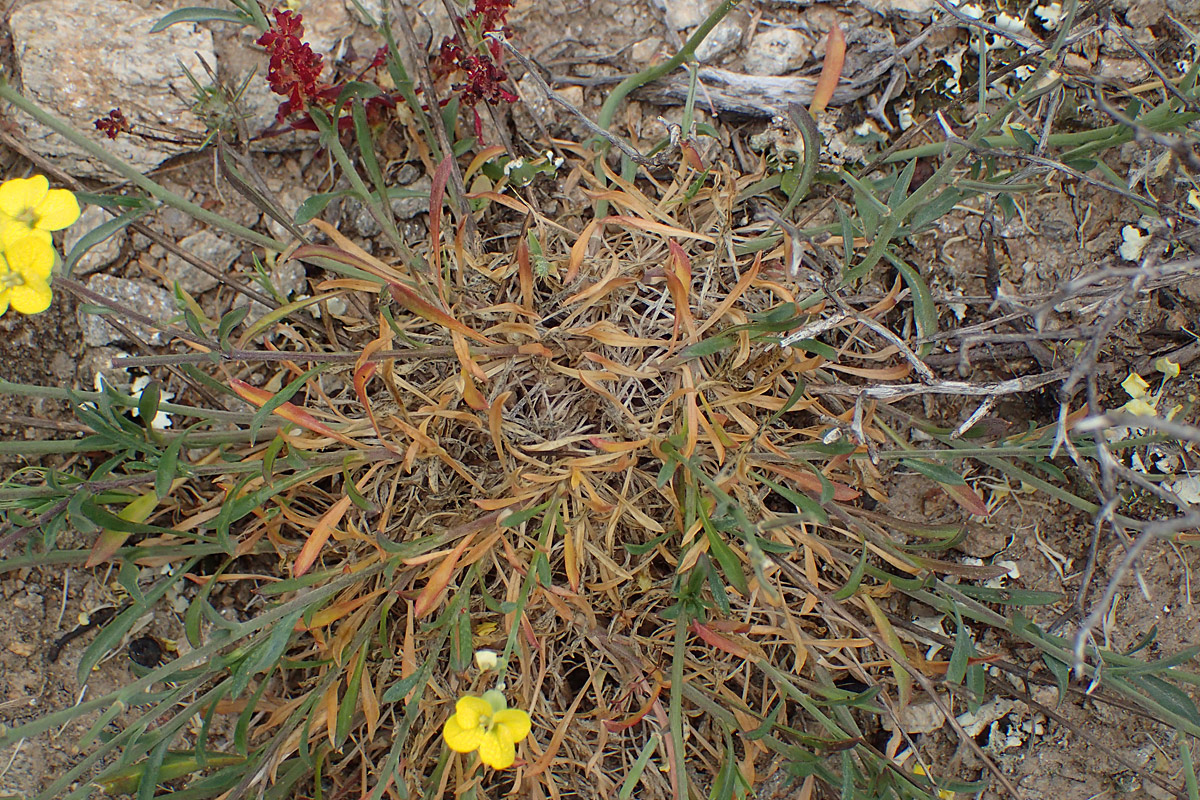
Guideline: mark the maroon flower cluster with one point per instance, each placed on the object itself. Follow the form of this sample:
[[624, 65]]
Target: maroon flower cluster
[[294, 71], [113, 123], [483, 78]]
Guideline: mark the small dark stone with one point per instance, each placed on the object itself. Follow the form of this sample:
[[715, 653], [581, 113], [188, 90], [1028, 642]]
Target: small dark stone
[[146, 652]]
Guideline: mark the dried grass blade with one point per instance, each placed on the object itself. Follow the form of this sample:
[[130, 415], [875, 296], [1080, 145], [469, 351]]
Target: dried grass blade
[[320, 534], [432, 593]]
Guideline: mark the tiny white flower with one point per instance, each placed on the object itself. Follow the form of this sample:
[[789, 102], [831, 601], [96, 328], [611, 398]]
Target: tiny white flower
[[1013, 25], [486, 660], [1133, 243], [1050, 15]]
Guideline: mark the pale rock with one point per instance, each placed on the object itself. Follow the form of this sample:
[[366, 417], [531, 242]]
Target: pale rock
[[917, 717], [143, 298], [907, 8], [1128, 70], [572, 94], [288, 278], [100, 254], [81, 60], [776, 51], [408, 207], [642, 52], [288, 200], [359, 219], [722, 40], [1142, 13], [682, 14], [207, 246], [96, 365]]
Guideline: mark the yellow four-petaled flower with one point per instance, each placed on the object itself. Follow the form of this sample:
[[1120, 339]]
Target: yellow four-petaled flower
[[486, 724], [29, 212]]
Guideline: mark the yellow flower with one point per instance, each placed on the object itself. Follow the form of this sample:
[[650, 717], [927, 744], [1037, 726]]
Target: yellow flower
[[25, 267], [1135, 385], [1167, 367], [486, 724], [30, 206]]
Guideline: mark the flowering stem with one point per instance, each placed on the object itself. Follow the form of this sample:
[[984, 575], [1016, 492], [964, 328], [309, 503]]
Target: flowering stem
[[163, 195], [622, 89], [329, 137], [688, 51]]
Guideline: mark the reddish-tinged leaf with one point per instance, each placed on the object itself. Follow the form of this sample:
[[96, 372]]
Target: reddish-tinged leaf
[[718, 641], [471, 393], [426, 310], [831, 70], [692, 156], [811, 483], [320, 534], [436, 191], [965, 496], [431, 595], [290, 412], [637, 716], [525, 273], [333, 613]]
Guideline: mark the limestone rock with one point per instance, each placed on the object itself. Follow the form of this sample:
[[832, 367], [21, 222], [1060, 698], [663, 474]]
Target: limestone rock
[[207, 246], [80, 60], [682, 14], [144, 298], [723, 39], [776, 51]]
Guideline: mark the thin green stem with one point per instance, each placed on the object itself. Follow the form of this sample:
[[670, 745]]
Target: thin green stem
[[675, 711]]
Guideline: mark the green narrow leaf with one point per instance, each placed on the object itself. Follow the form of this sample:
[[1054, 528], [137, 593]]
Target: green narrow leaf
[[977, 683], [168, 467], [716, 585], [856, 576], [964, 648], [314, 205], [731, 566], [98, 235], [517, 517], [938, 472], [803, 503], [230, 321], [924, 310], [900, 191], [1062, 675], [1168, 696], [349, 702], [1011, 597], [282, 396], [266, 656], [151, 770], [148, 403], [201, 14]]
